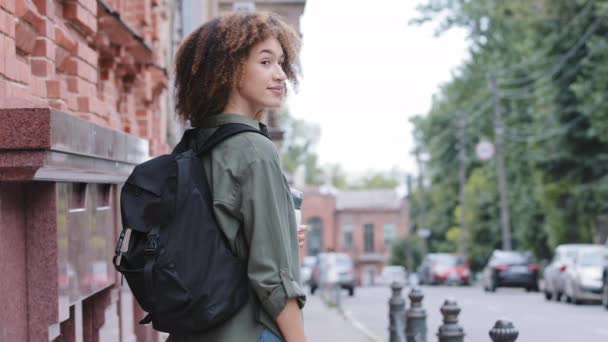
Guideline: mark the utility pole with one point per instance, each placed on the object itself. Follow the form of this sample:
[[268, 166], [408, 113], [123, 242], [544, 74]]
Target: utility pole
[[500, 164], [462, 156], [422, 212]]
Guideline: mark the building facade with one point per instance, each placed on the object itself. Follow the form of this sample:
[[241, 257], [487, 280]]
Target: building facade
[[363, 224], [83, 98]]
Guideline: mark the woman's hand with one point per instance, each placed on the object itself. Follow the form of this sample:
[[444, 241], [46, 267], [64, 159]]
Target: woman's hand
[[301, 235]]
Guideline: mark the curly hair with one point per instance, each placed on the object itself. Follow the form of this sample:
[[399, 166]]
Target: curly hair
[[210, 61]]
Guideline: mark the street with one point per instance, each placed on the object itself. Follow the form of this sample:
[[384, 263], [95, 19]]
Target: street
[[534, 317]]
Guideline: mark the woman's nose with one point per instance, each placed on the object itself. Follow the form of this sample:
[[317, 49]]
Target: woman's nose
[[280, 74]]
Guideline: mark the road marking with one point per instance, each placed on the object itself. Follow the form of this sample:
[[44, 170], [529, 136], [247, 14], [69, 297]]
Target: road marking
[[359, 326]]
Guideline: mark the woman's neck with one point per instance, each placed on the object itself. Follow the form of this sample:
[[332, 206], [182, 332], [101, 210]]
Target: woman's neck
[[242, 107]]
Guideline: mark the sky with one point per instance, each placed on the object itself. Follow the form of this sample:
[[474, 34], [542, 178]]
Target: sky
[[365, 73]]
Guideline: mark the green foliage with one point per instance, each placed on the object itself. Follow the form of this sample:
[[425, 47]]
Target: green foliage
[[299, 142], [550, 61], [407, 252]]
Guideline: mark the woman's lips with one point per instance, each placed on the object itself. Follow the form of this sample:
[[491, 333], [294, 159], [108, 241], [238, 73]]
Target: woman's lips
[[278, 90]]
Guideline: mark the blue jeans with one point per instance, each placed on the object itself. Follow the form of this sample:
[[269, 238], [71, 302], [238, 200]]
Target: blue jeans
[[269, 336]]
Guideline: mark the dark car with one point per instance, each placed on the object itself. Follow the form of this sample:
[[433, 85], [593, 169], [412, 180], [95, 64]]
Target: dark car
[[444, 268], [510, 269]]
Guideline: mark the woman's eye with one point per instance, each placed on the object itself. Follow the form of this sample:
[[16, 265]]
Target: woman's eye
[[265, 62]]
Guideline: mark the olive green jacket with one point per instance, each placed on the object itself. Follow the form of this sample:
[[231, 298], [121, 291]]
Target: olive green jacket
[[253, 206]]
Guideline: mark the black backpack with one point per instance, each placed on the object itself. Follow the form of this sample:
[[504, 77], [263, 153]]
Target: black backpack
[[177, 261]]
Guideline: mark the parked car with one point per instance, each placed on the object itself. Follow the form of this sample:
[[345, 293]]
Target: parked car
[[392, 274], [444, 268], [553, 274], [510, 269], [306, 269], [605, 282], [583, 277], [333, 268]]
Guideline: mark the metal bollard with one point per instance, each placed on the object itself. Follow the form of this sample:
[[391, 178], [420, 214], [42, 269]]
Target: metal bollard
[[396, 314], [504, 331], [450, 331], [415, 318]]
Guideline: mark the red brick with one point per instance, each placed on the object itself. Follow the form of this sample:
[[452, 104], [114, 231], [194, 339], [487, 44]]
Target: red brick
[[53, 89], [59, 105], [81, 87], [42, 67], [25, 38], [87, 54], [63, 40], [44, 48], [90, 5], [38, 87], [3, 88], [80, 68], [46, 28], [84, 104], [61, 59], [7, 24], [8, 5], [45, 7], [3, 55], [26, 11], [80, 17], [23, 71], [72, 102]]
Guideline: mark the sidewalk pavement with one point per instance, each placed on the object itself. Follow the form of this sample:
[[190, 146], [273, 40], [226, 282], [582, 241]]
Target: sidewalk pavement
[[322, 323]]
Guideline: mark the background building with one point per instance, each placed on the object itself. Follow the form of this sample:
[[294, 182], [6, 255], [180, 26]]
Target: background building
[[361, 223]]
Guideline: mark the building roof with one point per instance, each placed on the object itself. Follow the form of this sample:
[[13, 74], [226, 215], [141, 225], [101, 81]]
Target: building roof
[[375, 199]]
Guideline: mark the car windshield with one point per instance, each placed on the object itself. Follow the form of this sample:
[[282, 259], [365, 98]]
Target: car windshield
[[512, 258], [596, 258], [446, 260], [343, 260]]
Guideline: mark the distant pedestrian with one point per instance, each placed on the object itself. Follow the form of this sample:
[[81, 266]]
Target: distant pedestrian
[[230, 70]]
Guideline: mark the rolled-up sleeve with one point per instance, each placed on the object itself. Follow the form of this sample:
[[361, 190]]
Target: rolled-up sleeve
[[270, 229]]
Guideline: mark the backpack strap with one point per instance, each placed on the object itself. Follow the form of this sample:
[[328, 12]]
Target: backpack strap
[[224, 132]]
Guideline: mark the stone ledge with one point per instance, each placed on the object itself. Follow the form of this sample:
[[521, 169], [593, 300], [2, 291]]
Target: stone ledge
[[49, 145]]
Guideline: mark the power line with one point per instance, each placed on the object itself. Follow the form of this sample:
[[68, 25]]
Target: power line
[[540, 57], [562, 60]]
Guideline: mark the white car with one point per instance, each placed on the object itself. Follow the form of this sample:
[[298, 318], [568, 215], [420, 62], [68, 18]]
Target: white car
[[554, 272], [392, 274], [583, 277]]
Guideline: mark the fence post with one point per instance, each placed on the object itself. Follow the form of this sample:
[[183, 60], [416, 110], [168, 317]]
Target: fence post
[[450, 331], [504, 331], [396, 314], [415, 318]]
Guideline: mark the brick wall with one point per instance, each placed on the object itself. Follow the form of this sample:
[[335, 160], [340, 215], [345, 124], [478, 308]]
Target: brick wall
[[80, 57]]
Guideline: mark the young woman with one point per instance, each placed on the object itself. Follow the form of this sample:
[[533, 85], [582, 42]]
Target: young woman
[[229, 71]]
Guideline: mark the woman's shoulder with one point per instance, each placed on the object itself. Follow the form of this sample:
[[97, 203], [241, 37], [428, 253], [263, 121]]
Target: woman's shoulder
[[248, 147]]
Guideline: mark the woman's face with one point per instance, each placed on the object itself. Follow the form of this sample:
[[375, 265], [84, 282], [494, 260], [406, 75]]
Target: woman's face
[[263, 83]]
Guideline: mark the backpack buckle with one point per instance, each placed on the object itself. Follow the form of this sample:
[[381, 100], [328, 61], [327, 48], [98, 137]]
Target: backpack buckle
[[151, 244]]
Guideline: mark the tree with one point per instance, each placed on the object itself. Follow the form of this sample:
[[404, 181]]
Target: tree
[[549, 59]]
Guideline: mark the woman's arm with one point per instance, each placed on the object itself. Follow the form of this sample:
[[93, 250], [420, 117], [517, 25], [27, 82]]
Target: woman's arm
[[290, 322]]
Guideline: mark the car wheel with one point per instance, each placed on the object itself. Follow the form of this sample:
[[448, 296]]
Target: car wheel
[[605, 295], [492, 287], [557, 295]]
